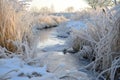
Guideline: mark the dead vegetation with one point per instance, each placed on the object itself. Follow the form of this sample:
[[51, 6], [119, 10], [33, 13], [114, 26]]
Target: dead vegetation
[[102, 38], [14, 27]]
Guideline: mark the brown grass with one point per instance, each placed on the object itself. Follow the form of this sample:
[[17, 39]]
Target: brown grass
[[11, 26], [7, 25]]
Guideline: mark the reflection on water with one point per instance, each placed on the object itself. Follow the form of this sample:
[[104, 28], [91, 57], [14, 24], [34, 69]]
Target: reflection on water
[[45, 34], [49, 41]]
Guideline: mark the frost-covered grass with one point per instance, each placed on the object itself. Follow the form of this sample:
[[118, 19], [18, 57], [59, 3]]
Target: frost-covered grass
[[99, 42], [7, 25], [13, 26], [15, 38], [48, 21]]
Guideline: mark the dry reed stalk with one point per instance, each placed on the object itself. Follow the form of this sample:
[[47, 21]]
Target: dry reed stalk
[[13, 26]]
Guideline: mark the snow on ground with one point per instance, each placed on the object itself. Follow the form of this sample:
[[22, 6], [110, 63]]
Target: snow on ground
[[76, 25], [55, 64], [17, 69], [66, 28]]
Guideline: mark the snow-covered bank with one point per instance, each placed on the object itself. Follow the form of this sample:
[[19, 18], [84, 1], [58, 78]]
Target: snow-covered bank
[[17, 69]]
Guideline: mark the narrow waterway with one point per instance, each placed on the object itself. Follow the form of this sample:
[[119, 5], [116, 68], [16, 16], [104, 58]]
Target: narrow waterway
[[51, 51]]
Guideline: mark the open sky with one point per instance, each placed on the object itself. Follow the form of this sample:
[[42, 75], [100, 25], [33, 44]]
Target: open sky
[[59, 5]]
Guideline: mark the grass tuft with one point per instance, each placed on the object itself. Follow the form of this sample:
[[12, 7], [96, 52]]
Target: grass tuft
[[13, 26]]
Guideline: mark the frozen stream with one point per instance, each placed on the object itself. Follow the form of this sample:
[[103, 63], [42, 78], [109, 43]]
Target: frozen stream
[[49, 63], [56, 61]]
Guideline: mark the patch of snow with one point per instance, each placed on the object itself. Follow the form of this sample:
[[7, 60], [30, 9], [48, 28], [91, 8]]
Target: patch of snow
[[60, 53], [76, 25], [51, 42], [20, 78], [66, 28], [14, 67]]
